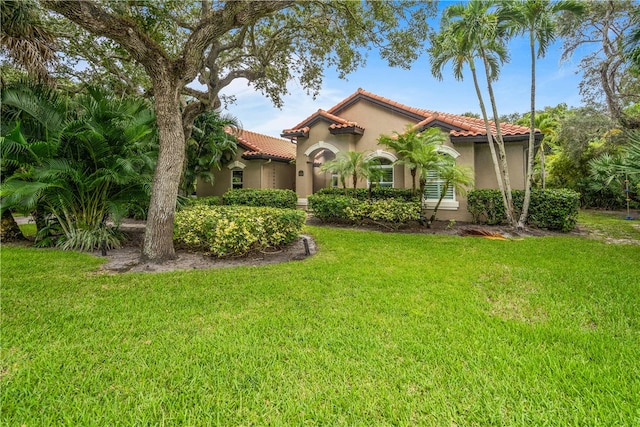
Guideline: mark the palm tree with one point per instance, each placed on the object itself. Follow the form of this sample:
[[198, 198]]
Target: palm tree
[[460, 178], [352, 164], [25, 38], [405, 145], [101, 166], [469, 32], [212, 144], [537, 19], [548, 125], [40, 110]]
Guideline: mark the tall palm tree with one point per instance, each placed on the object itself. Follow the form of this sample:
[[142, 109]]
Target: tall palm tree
[[537, 19], [469, 32], [26, 39], [479, 25]]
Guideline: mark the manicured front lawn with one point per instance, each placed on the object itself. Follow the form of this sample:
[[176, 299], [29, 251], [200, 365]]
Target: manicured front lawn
[[375, 329]]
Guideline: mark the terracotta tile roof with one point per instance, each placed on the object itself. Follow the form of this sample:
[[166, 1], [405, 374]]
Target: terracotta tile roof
[[258, 145], [303, 127], [462, 126]]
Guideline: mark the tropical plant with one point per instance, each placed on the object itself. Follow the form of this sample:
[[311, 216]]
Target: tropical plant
[[619, 173], [98, 167], [406, 146], [351, 164], [19, 124], [26, 39], [537, 19], [212, 144], [459, 178], [548, 124]]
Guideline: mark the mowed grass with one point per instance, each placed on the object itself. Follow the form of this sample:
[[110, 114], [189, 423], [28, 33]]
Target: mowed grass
[[610, 224], [375, 329]]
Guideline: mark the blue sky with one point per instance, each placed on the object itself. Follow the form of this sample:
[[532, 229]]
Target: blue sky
[[557, 82]]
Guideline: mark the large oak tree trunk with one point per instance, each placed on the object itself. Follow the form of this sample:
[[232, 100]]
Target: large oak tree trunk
[[158, 240]]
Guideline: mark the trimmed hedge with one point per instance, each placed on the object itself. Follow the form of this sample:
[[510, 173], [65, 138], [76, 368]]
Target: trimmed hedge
[[549, 209], [331, 208], [202, 201], [393, 211], [274, 198], [377, 193], [235, 230]]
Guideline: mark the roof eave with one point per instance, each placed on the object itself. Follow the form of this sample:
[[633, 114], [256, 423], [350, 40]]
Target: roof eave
[[295, 134], [263, 156], [353, 130], [506, 138]]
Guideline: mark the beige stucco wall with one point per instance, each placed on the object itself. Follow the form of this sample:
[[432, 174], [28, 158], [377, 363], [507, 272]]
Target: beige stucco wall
[[256, 174], [485, 172]]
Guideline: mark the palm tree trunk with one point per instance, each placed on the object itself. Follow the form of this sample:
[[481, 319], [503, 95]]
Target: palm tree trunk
[[9, 228], [527, 185], [543, 178], [494, 156], [501, 149], [437, 206], [414, 172]]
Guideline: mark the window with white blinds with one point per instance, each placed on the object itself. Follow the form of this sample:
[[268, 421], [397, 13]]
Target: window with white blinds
[[434, 187]]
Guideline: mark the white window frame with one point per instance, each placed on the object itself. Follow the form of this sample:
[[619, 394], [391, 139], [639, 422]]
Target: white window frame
[[447, 204], [379, 154]]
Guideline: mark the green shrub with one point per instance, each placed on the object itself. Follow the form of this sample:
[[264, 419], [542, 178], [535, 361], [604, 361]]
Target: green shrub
[[236, 230], [392, 211], [346, 208], [486, 206], [200, 201], [377, 193], [275, 198], [331, 208], [554, 209], [549, 209]]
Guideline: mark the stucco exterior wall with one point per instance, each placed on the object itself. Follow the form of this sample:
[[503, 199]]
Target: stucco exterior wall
[[485, 172], [256, 174]]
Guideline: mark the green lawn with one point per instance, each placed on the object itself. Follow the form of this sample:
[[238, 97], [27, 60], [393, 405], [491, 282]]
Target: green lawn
[[604, 224], [375, 329]]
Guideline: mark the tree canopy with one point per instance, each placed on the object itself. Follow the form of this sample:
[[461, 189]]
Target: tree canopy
[[191, 50]]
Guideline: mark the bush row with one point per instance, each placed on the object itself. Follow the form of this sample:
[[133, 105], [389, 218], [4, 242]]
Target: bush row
[[549, 209], [235, 230], [274, 198], [392, 211], [200, 201], [377, 193]]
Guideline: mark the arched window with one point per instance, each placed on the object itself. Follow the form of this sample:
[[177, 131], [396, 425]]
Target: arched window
[[386, 167]]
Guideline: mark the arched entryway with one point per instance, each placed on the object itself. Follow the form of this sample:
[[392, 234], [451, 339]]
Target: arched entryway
[[317, 155]]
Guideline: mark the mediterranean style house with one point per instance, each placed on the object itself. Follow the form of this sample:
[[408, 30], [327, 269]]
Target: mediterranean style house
[[356, 123], [261, 161]]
